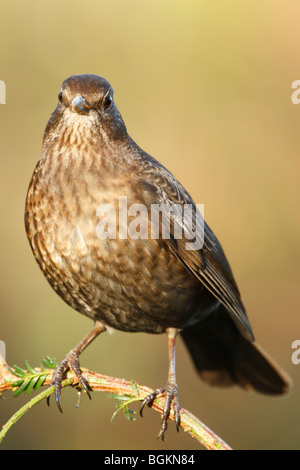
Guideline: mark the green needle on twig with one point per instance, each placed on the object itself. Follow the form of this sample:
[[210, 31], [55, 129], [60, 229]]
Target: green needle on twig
[[16, 416], [124, 391]]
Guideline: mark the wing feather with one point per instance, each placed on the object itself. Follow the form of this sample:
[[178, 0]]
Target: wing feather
[[209, 263]]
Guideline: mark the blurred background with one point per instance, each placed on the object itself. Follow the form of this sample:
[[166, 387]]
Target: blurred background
[[205, 87]]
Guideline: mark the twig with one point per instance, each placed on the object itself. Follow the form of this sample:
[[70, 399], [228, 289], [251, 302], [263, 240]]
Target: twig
[[18, 380]]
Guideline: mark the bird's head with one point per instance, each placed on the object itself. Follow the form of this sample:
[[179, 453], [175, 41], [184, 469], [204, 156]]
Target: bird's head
[[87, 101]]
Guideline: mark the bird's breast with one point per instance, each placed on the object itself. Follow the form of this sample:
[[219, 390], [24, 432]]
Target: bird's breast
[[91, 235]]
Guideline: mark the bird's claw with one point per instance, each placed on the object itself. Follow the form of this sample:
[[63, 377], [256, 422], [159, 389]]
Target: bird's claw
[[170, 391], [71, 361]]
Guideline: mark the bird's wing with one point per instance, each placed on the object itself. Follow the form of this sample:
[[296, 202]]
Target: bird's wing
[[208, 263]]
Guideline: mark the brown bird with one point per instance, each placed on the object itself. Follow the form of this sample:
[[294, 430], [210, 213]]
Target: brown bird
[[124, 278]]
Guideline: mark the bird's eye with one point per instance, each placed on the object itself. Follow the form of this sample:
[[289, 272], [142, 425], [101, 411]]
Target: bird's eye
[[108, 102], [60, 96]]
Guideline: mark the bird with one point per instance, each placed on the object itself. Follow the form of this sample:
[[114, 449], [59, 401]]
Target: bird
[[113, 271]]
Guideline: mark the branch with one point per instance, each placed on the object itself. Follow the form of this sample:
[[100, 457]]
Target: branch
[[21, 380]]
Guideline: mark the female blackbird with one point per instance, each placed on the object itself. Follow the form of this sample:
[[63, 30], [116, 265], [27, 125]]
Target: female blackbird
[[127, 279]]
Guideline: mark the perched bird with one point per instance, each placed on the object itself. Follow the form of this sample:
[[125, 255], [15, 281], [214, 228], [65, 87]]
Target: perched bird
[[132, 281]]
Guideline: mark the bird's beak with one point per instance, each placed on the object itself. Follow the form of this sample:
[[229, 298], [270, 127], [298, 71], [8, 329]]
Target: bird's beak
[[79, 105]]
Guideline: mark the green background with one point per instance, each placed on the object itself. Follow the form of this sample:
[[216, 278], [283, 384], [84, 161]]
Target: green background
[[205, 87]]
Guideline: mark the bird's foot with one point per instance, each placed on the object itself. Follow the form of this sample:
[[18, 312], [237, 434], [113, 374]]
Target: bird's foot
[[170, 391], [71, 361]]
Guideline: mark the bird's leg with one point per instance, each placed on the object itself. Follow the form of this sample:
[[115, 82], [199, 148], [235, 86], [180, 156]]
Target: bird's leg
[[71, 361], [170, 391]]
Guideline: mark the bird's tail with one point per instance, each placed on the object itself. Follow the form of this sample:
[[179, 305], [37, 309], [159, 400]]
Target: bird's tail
[[223, 357]]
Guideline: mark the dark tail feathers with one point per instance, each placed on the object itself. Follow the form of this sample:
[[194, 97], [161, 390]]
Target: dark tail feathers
[[223, 357]]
